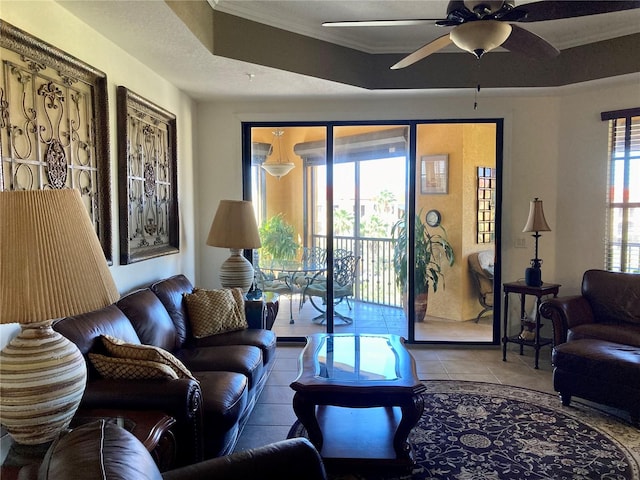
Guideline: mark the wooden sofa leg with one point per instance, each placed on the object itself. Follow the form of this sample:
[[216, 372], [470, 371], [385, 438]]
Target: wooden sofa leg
[[566, 398]]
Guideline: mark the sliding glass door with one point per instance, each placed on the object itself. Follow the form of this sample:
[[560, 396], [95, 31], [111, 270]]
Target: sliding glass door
[[344, 210]]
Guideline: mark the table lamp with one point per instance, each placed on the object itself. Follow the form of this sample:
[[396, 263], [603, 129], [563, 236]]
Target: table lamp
[[51, 266], [234, 227], [535, 223]]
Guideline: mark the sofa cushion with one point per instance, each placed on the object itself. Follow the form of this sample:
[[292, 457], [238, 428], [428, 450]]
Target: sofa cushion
[[626, 334], [85, 329], [150, 319], [118, 348], [171, 292], [215, 311], [98, 451], [129, 369], [612, 363], [258, 337], [224, 398], [613, 296], [244, 359]]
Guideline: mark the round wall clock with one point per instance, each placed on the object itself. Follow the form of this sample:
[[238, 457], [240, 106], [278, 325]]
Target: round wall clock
[[433, 218]]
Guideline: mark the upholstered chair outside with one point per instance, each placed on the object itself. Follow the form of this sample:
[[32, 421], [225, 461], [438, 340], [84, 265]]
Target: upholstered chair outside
[[481, 270]]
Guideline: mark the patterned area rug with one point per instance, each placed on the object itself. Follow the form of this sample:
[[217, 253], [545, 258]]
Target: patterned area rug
[[483, 431]]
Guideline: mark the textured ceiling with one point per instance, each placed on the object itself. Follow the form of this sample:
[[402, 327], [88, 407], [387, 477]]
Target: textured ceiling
[[153, 33]]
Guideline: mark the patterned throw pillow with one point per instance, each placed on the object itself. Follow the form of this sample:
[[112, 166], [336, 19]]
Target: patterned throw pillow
[[120, 349], [215, 311], [128, 369]]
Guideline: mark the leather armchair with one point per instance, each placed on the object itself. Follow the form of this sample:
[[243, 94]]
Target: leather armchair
[[596, 353], [105, 451]]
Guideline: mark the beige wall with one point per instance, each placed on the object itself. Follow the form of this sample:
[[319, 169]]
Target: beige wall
[[55, 25]]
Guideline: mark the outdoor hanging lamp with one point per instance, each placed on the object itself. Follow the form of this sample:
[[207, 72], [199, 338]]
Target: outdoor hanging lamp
[[278, 169]]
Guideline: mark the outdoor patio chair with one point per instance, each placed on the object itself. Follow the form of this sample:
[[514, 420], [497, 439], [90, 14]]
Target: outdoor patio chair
[[311, 256], [481, 270], [281, 284], [344, 277]]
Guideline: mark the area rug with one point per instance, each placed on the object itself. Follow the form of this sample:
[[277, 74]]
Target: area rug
[[484, 431]]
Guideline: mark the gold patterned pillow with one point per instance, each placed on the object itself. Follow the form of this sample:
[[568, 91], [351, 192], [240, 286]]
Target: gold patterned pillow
[[215, 311], [120, 349], [128, 369]]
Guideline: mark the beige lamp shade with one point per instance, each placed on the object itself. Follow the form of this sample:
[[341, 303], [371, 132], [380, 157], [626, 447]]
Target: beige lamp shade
[[536, 221], [234, 227], [480, 37], [51, 261], [51, 266]]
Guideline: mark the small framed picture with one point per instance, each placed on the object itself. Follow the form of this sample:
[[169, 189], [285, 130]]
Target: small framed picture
[[434, 174]]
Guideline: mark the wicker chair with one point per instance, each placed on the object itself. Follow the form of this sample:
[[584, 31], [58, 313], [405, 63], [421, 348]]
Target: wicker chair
[[481, 270]]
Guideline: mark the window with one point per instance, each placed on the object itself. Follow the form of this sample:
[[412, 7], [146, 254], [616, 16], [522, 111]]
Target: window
[[623, 195]]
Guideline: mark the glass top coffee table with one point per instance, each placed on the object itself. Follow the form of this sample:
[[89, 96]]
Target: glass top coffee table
[[358, 398]]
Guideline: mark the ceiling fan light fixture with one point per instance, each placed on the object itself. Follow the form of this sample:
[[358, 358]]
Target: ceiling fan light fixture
[[481, 36]]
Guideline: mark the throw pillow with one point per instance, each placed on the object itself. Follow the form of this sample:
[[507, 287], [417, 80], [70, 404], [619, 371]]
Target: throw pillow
[[128, 369], [215, 311], [120, 349]]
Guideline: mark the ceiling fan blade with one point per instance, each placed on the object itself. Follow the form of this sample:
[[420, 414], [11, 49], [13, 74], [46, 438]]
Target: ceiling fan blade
[[553, 10], [382, 23], [432, 47], [528, 43]]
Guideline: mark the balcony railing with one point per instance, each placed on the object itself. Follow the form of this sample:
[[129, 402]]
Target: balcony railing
[[376, 278]]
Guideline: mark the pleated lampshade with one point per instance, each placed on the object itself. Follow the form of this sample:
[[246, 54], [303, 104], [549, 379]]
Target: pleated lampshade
[[51, 266]]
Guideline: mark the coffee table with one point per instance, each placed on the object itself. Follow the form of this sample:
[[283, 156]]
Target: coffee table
[[358, 397]]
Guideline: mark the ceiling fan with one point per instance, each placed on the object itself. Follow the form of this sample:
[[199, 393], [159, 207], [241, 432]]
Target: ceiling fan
[[481, 26]]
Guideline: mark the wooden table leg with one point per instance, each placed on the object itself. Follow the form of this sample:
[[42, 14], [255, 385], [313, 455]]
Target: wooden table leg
[[306, 413], [411, 413]]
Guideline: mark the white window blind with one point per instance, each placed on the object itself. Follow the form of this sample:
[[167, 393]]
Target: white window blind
[[622, 243]]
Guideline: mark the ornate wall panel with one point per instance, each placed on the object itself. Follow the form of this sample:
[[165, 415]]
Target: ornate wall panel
[[147, 179], [54, 125]]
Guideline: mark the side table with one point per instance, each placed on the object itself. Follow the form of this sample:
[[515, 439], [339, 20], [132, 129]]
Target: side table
[[523, 289], [262, 312]]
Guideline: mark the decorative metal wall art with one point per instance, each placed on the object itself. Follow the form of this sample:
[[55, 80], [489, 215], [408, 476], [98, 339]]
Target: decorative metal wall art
[[486, 204], [147, 179], [54, 125]]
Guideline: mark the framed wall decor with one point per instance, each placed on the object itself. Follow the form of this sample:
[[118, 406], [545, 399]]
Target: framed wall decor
[[147, 179], [54, 129], [434, 174]]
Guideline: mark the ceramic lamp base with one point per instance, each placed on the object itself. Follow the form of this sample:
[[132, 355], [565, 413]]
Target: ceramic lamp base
[[236, 271], [42, 380], [533, 277]]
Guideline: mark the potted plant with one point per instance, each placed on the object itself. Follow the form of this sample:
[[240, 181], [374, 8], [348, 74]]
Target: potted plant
[[430, 250], [277, 238]]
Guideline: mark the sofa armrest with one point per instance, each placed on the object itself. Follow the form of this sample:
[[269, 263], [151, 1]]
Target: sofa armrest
[[288, 459], [566, 313], [181, 398]]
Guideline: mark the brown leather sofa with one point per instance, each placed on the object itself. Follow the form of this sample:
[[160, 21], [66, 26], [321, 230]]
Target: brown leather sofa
[[104, 451], [596, 353], [231, 368]]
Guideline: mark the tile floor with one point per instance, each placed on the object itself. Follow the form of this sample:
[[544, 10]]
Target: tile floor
[[273, 414], [372, 318]]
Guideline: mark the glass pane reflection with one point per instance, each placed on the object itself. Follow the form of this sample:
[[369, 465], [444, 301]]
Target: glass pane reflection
[[353, 358]]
